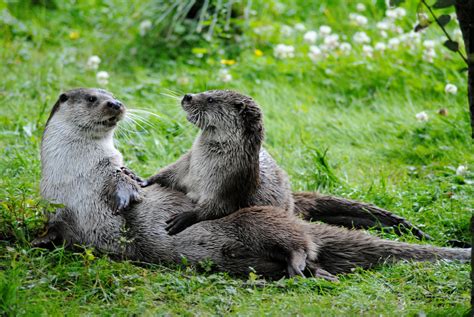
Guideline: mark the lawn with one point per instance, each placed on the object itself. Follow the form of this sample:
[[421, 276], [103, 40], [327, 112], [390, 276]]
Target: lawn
[[360, 123]]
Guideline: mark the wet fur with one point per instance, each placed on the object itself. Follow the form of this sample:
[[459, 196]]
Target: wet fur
[[75, 171]]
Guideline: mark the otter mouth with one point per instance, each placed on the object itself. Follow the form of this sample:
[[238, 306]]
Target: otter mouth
[[110, 122]]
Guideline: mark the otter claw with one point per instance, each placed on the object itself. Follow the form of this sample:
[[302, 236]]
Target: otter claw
[[181, 221]]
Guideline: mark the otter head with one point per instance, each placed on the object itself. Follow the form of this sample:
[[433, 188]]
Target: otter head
[[87, 111], [225, 112]]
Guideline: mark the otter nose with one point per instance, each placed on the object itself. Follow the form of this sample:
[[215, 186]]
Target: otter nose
[[188, 97], [114, 104]]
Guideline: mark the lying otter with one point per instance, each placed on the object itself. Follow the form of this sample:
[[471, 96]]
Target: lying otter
[[81, 169], [226, 168]]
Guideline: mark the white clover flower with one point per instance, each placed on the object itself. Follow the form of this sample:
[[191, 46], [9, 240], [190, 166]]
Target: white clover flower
[[383, 25], [324, 30], [360, 7], [400, 12], [461, 170], [224, 75], [345, 48], [429, 55], [93, 62], [391, 14], [422, 116], [429, 44], [361, 37], [102, 78], [315, 53], [183, 80], [383, 34], [310, 37], [367, 51], [393, 43], [358, 19], [300, 27], [331, 42], [380, 46], [284, 51], [451, 89], [144, 27], [286, 30]]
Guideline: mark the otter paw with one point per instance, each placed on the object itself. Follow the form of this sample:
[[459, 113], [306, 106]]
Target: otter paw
[[131, 174], [123, 197], [318, 272], [181, 221], [297, 263]]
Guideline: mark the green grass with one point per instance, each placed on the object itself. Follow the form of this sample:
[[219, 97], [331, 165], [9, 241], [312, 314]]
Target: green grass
[[359, 111]]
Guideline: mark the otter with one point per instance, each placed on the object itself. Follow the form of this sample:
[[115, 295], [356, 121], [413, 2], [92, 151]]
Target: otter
[[226, 168], [81, 169], [81, 126]]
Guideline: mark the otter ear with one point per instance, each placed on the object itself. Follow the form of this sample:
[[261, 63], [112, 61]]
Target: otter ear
[[240, 105], [63, 98]]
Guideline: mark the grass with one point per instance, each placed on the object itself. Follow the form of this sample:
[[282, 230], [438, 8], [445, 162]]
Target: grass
[[344, 126]]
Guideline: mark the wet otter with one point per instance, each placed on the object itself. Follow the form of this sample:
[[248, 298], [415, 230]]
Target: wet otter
[[226, 168], [82, 170], [80, 165]]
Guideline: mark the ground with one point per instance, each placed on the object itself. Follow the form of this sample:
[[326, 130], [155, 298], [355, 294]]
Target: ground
[[360, 124]]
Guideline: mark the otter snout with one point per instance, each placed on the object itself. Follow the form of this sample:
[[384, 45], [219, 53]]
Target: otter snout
[[187, 98], [114, 104]]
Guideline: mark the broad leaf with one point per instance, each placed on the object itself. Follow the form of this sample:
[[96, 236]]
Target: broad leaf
[[452, 45], [439, 4], [444, 19], [420, 27]]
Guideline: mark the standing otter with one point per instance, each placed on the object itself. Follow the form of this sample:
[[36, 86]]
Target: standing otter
[[226, 168], [81, 170], [81, 126]]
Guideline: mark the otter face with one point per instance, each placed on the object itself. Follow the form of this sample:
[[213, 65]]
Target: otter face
[[225, 111], [87, 110]]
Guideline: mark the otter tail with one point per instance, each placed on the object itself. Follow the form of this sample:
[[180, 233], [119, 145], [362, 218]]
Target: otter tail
[[350, 214], [341, 250]]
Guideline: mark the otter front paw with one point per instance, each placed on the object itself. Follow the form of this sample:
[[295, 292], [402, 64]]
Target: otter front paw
[[124, 195], [131, 174], [181, 221]]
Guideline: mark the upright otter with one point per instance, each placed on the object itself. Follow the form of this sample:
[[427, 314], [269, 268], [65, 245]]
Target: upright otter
[[79, 160], [226, 168], [82, 170]]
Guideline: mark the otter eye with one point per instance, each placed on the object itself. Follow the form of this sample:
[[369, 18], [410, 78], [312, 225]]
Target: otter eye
[[92, 98], [210, 100]]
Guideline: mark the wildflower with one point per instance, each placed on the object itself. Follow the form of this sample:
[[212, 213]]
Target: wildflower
[[144, 27], [258, 53], [367, 50], [324, 30], [383, 25], [380, 46], [315, 53], [429, 54], [331, 42], [73, 35], [361, 37], [429, 44], [183, 80], [451, 89], [383, 34], [358, 19], [286, 30], [102, 78], [300, 27], [393, 43], [461, 170], [224, 75], [310, 37], [228, 62], [284, 51], [396, 13], [422, 116], [345, 48], [360, 7], [93, 62]]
